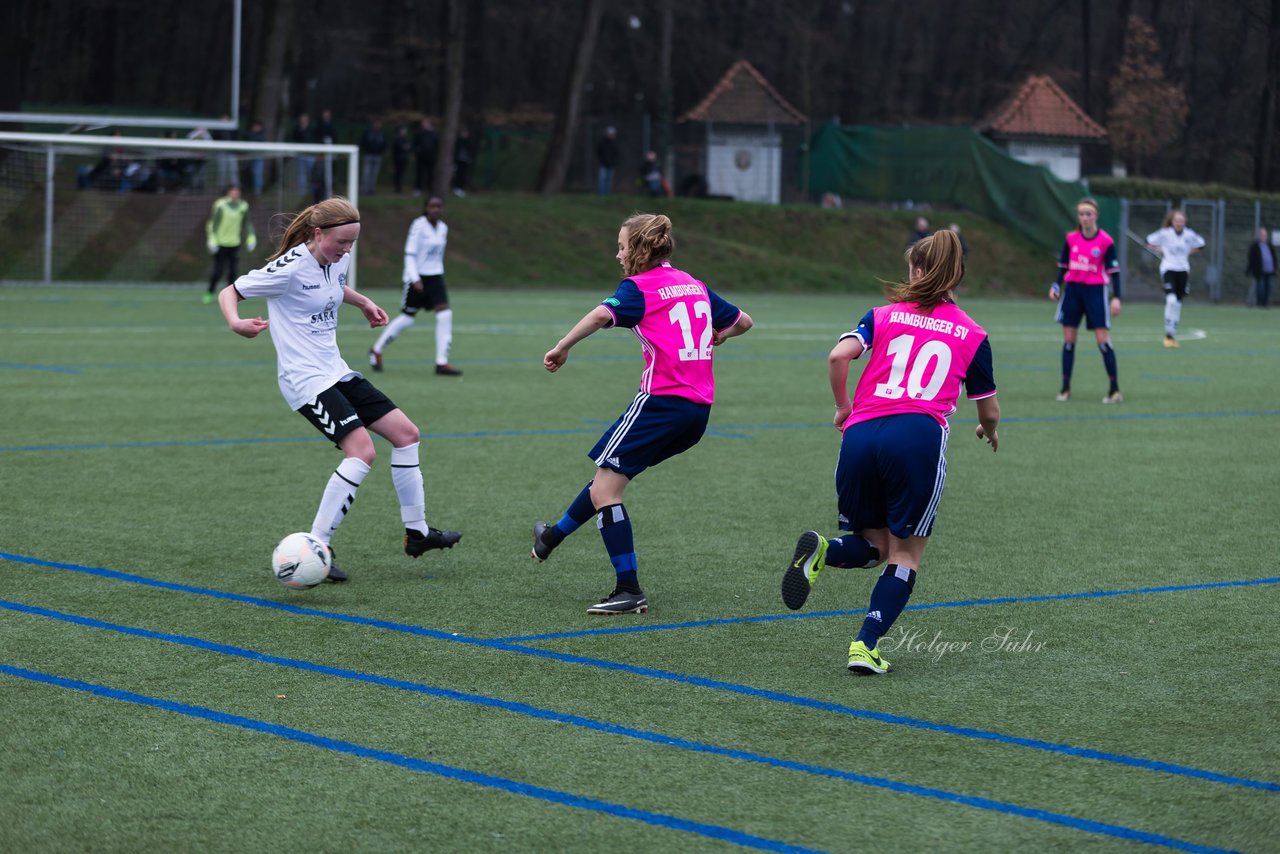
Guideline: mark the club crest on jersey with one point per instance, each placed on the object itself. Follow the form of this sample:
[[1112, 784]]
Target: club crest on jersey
[[342, 280]]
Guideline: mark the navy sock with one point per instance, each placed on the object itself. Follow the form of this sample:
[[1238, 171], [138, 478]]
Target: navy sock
[[1109, 362], [888, 598], [851, 551], [1068, 363], [580, 510], [615, 530]]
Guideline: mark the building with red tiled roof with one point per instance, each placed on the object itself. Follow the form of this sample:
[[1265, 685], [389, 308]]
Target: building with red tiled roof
[[742, 123], [1040, 124]]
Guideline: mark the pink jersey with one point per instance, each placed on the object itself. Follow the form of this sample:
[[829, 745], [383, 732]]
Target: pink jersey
[[679, 316], [918, 361], [1087, 258]]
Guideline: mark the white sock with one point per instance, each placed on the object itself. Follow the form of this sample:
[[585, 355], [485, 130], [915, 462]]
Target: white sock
[[406, 474], [1172, 314], [444, 335], [398, 324], [339, 495]]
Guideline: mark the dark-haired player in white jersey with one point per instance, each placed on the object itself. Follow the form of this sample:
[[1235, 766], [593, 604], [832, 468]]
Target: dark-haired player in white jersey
[[423, 287], [304, 283]]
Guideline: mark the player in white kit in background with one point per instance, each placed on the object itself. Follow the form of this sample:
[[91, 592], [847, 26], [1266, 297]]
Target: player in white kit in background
[[423, 287], [1175, 243]]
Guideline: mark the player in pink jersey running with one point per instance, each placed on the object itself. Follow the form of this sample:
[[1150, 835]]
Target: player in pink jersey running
[[679, 321], [893, 463], [1090, 269]]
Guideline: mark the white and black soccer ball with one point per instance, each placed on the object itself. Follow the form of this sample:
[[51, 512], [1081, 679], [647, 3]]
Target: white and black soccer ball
[[301, 561]]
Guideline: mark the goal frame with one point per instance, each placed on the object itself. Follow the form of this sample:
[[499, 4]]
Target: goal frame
[[51, 142]]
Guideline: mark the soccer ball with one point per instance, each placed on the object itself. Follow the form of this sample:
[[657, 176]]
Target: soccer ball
[[301, 561]]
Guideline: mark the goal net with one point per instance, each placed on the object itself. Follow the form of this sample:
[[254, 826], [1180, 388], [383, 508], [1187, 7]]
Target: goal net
[[114, 209]]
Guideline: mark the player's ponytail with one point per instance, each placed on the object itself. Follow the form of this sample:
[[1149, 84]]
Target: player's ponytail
[[940, 261], [649, 242], [327, 214]]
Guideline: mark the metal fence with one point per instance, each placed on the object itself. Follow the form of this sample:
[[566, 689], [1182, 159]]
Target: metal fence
[[1218, 270]]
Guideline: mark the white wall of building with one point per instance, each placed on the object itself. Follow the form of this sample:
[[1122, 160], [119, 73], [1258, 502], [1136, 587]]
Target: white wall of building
[[1061, 158]]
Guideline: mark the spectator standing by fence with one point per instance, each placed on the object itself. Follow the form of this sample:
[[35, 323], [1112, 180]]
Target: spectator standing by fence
[[1262, 266], [425, 145], [463, 156], [401, 148], [228, 165], [257, 166], [607, 158], [304, 133], [373, 144]]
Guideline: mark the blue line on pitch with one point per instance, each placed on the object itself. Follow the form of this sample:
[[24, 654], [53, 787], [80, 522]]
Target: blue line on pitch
[[724, 431], [965, 603], [613, 729], [52, 369], [423, 766], [667, 676]]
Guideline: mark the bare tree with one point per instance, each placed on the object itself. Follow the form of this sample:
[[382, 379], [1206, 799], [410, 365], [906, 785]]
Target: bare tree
[[1147, 111], [455, 62], [556, 165], [268, 99], [1266, 173]]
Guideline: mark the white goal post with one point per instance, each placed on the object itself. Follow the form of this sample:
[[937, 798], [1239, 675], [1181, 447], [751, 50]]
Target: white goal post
[[58, 210]]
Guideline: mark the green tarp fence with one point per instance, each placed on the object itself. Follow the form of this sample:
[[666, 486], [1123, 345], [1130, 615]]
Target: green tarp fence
[[950, 167]]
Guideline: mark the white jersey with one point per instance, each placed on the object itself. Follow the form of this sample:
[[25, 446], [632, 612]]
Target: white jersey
[[1175, 248], [302, 305], [424, 249]]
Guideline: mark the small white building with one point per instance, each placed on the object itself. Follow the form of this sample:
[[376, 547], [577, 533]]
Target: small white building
[[1040, 124], [747, 129]]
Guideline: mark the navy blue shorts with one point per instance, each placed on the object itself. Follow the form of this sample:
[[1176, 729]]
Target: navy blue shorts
[[654, 428], [891, 473], [1087, 301]]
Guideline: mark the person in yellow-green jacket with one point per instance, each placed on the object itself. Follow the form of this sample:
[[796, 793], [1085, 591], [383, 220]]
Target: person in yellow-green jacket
[[227, 227]]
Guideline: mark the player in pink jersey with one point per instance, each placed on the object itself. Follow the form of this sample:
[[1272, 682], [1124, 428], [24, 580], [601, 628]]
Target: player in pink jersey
[[892, 464], [678, 321], [1089, 267]]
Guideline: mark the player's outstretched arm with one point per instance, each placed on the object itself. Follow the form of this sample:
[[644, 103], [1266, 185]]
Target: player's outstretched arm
[[594, 320], [988, 420]]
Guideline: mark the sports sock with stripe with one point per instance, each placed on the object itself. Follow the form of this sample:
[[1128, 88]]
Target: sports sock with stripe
[[888, 598], [339, 495], [406, 475], [615, 530]]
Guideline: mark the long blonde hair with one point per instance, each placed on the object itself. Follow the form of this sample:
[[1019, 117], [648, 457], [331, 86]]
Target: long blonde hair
[[326, 214], [941, 262], [649, 242], [1168, 218]]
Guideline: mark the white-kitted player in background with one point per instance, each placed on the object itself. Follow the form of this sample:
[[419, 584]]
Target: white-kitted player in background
[[423, 287], [1175, 243]]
